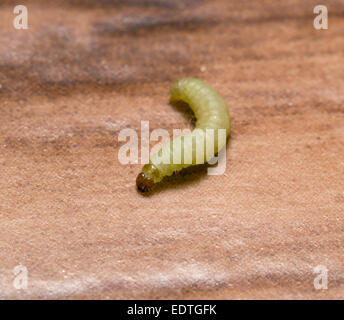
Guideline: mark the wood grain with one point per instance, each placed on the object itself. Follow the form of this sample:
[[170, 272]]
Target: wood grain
[[70, 212]]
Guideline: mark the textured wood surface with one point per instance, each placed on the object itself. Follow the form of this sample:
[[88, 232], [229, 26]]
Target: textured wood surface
[[84, 70]]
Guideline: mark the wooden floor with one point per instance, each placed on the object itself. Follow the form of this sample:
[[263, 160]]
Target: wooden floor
[[84, 70]]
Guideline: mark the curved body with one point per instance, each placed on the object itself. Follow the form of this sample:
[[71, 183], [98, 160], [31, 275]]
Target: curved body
[[212, 115]]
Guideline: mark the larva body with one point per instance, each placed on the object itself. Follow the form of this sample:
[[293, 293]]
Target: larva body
[[211, 113]]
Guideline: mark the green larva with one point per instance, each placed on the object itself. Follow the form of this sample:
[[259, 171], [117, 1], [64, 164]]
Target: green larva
[[211, 113]]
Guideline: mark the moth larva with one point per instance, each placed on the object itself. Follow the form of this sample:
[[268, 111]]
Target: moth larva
[[211, 113]]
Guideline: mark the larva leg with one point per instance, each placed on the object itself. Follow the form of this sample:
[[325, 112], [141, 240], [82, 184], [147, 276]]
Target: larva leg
[[211, 113]]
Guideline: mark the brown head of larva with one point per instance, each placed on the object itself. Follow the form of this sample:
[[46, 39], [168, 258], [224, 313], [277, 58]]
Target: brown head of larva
[[145, 179], [143, 183]]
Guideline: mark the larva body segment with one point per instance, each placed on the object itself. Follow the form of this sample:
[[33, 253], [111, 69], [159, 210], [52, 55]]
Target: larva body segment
[[211, 113]]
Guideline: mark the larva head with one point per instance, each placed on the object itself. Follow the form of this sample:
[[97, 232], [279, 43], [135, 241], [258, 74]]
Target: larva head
[[146, 179], [143, 183]]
